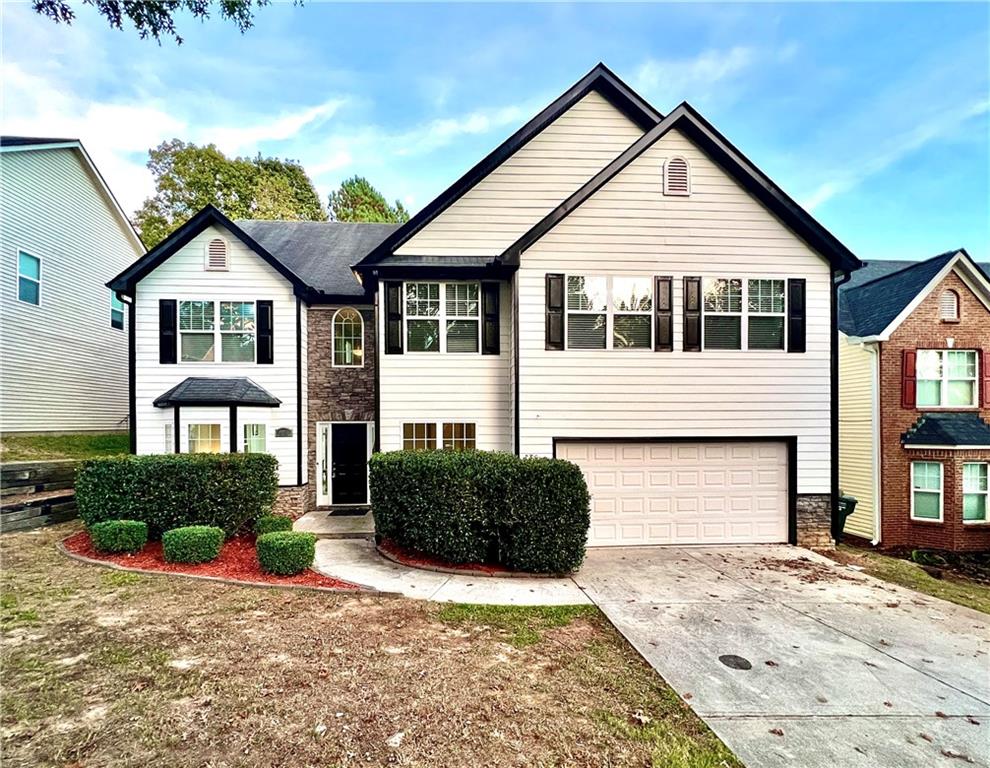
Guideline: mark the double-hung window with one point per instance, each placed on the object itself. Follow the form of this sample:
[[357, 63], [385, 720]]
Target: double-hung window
[[200, 326], [976, 492], [116, 311], [443, 317], [740, 314], [926, 490], [609, 312], [946, 378], [28, 278]]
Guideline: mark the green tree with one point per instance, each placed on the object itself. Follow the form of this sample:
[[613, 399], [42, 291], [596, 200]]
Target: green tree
[[189, 177], [152, 18], [357, 200]]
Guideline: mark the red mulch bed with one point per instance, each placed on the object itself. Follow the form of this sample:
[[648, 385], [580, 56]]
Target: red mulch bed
[[416, 559], [237, 562]]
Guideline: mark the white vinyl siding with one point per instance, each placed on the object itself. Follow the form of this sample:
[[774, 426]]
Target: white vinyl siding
[[629, 228], [182, 277], [857, 435], [529, 184], [438, 388], [53, 209]]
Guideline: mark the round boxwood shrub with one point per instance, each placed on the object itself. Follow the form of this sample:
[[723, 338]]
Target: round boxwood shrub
[[119, 535], [285, 553], [226, 490], [272, 523], [192, 544]]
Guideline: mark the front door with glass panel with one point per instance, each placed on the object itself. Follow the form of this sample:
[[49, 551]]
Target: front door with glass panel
[[342, 463]]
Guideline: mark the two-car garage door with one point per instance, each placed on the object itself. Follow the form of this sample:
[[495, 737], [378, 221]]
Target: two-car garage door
[[683, 493]]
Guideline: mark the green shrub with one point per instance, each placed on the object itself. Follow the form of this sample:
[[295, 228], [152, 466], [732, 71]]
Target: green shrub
[[173, 490], [272, 523], [119, 535], [285, 553], [479, 506], [192, 544]]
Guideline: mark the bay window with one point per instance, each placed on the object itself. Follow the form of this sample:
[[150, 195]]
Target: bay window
[[947, 378], [204, 438], [976, 492]]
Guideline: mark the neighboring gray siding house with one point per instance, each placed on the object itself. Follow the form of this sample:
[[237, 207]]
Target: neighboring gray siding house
[[610, 285], [63, 335]]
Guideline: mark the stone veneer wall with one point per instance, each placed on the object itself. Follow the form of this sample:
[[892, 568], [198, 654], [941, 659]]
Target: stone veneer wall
[[291, 501], [814, 521], [336, 394]]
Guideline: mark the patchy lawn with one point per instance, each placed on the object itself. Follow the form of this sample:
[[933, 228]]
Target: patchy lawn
[[15, 447], [950, 587], [108, 668]]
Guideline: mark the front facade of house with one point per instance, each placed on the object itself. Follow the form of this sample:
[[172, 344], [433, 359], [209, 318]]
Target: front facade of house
[[63, 339], [611, 285], [915, 403]]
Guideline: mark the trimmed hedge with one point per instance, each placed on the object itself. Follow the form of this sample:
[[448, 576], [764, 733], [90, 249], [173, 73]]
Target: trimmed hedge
[[119, 535], [285, 553], [272, 523], [482, 507], [226, 490], [192, 544]]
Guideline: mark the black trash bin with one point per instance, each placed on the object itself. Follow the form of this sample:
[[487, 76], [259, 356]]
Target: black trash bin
[[847, 504]]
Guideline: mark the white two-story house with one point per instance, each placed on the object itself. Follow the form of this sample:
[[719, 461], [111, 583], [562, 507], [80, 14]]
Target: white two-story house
[[611, 285]]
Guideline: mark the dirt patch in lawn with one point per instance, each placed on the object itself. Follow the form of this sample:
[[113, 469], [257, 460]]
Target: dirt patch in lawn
[[112, 668]]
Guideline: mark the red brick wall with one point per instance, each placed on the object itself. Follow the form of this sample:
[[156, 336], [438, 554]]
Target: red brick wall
[[924, 330], [336, 394]]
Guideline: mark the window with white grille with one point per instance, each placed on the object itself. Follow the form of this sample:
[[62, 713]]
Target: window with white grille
[[948, 306], [676, 177], [216, 254]]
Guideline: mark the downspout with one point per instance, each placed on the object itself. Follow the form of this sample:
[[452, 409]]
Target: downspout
[[834, 396], [131, 369], [874, 350]]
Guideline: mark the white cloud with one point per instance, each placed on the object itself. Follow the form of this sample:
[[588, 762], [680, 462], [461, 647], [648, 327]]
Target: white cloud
[[681, 79], [235, 139]]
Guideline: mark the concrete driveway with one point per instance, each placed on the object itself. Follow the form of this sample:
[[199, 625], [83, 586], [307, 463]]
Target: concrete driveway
[[794, 660]]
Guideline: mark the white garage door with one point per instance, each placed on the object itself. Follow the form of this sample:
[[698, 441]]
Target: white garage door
[[683, 493]]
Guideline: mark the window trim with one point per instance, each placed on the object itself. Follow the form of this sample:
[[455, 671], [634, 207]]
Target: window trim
[[441, 317], [941, 492], [189, 436], [217, 333], [744, 314], [945, 382], [610, 312], [985, 493], [333, 339], [38, 281]]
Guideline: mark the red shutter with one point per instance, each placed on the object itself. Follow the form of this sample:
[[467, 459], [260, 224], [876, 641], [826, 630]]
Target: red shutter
[[909, 379], [985, 374]]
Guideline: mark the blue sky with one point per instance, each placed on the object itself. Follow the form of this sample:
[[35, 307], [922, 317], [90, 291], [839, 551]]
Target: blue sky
[[875, 117]]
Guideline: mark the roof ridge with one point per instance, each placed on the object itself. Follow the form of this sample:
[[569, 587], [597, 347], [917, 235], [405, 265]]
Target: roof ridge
[[902, 270]]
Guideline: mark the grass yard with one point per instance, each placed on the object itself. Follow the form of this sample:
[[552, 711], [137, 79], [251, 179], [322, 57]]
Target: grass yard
[[898, 571], [14, 447], [110, 668]]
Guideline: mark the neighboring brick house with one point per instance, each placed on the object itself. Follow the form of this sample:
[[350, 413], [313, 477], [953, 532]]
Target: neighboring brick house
[[914, 402]]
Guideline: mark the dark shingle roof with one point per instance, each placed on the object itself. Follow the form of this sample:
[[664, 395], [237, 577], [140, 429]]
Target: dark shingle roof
[[30, 141], [869, 302], [204, 391], [320, 252], [948, 429]]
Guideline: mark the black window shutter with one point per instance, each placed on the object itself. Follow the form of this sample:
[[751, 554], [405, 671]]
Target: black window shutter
[[663, 307], [393, 318], [489, 304], [266, 333], [692, 314], [796, 315], [555, 311], [167, 337]]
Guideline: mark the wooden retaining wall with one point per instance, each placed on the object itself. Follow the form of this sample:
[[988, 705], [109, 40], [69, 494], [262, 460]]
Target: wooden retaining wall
[[36, 493]]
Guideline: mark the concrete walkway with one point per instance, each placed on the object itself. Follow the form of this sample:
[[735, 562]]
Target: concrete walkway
[[796, 661], [357, 561], [323, 524]]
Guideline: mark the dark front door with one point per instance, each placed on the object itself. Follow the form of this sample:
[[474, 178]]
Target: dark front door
[[349, 463]]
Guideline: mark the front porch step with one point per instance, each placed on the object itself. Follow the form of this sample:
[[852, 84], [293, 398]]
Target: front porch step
[[324, 525]]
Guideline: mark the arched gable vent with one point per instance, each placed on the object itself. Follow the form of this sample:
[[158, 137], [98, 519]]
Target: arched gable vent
[[676, 177], [216, 254], [948, 305]]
